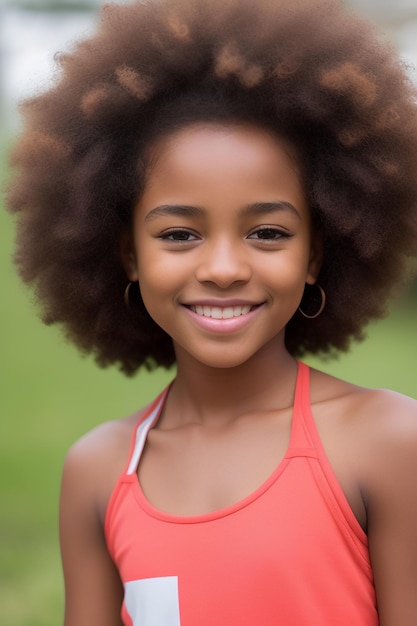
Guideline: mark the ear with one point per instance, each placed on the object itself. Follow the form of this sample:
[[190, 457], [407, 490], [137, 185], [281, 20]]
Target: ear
[[316, 258], [128, 256]]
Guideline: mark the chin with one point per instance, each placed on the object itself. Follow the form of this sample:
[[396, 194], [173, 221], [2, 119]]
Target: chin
[[222, 358]]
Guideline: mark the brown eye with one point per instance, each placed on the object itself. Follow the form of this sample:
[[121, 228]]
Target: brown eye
[[268, 234], [178, 235]]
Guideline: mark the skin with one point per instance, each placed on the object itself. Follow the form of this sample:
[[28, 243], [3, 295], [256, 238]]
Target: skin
[[223, 222]]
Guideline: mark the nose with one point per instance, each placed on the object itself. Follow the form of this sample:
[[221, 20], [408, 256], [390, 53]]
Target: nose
[[223, 262]]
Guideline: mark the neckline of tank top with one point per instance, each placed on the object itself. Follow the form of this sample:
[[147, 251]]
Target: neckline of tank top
[[301, 394]]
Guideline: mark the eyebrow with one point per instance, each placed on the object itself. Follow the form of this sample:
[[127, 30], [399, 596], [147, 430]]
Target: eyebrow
[[261, 208], [258, 208], [174, 209]]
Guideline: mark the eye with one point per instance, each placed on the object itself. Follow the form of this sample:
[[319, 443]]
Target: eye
[[178, 235], [268, 233]]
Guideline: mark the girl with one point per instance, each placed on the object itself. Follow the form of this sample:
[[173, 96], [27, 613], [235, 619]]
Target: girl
[[228, 185]]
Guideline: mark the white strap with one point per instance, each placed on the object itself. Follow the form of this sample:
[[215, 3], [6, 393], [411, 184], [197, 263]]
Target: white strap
[[141, 434]]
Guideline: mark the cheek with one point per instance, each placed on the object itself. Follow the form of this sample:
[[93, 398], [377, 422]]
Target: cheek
[[286, 270], [158, 276]]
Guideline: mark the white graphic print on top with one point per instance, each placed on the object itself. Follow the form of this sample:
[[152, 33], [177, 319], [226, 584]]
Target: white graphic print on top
[[153, 601]]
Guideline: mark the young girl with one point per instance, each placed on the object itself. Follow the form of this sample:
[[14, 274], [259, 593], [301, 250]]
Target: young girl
[[228, 185]]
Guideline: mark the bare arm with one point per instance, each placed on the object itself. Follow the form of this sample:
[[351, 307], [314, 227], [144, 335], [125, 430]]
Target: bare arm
[[392, 512], [93, 589]]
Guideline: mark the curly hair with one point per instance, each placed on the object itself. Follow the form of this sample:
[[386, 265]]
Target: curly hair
[[306, 68]]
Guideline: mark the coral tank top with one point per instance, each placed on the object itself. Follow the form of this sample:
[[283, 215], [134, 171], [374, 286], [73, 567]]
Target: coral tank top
[[291, 553]]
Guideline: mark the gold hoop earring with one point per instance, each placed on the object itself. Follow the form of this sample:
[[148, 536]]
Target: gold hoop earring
[[322, 305], [126, 295]]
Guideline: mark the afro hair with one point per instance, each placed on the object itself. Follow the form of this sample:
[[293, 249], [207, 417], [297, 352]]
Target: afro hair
[[308, 68]]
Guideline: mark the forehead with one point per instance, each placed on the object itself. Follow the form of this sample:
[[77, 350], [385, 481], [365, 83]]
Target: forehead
[[233, 164], [205, 143]]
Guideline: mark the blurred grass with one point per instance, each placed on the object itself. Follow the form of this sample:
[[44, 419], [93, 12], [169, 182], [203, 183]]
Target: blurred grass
[[50, 396]]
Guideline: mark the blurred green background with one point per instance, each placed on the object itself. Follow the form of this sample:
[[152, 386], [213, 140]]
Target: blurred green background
[[49, 395]]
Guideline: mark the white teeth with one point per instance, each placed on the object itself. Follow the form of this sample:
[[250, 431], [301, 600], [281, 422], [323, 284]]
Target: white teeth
[[219, 313], [216, 312]]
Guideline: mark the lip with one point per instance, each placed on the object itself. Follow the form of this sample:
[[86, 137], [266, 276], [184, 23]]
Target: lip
[[224, 325], [221, 302]]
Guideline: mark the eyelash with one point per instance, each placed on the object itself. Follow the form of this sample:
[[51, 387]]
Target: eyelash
[[170, 234], [275, 234]]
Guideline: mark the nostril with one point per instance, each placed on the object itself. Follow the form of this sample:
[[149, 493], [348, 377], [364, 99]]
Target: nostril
[[223, 270]]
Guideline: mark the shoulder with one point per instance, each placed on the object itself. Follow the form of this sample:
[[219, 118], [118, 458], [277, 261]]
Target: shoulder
[[381, 425], [390, 437], [382, 413], [391, 414], [94, 463], [370, 437], [386, 453], [370, 404], [93, 589]]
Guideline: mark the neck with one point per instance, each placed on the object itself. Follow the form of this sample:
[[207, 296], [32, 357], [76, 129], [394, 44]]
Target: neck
[[217, 395]]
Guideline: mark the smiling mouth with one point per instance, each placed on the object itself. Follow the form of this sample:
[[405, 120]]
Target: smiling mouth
[[222, 313]]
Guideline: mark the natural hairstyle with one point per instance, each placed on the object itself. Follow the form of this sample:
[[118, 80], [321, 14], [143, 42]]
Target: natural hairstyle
[[308, 69]]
